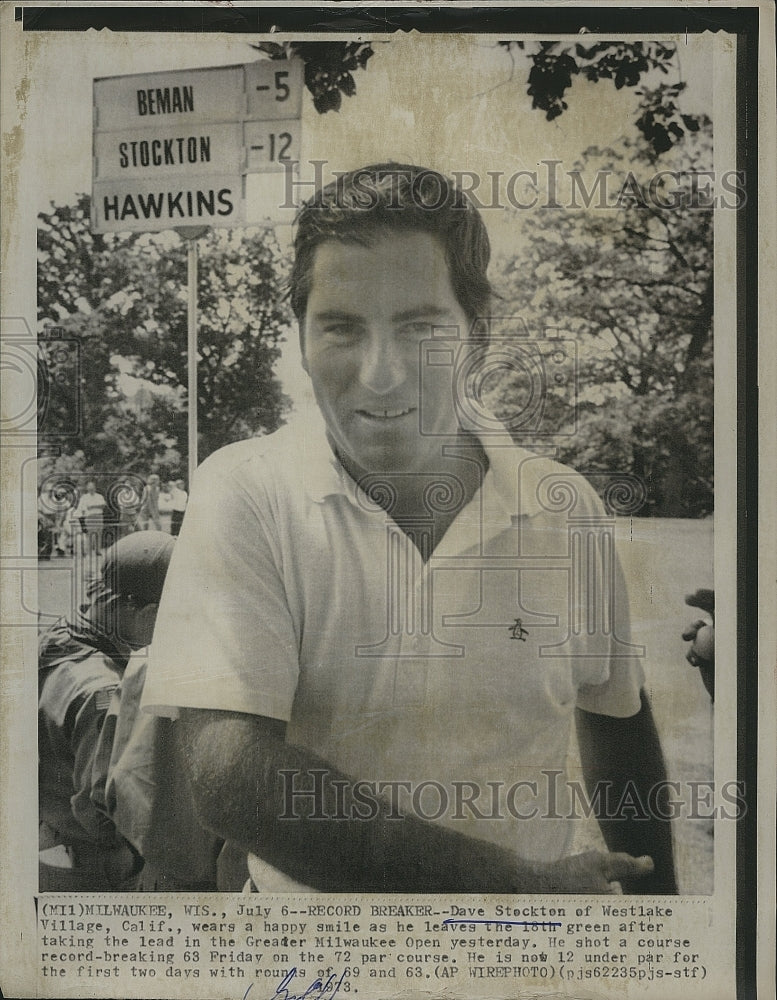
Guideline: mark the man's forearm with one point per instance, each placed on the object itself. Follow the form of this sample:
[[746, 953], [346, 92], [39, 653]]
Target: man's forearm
[[380, 854], [623, 759]]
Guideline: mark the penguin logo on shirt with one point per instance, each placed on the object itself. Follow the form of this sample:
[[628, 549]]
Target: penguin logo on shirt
[[517, 631]]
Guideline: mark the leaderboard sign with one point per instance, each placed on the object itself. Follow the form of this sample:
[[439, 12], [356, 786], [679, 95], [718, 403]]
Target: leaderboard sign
[[172, 149]]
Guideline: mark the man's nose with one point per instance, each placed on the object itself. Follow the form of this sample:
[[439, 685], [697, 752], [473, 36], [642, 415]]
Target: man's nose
[[383, 365]]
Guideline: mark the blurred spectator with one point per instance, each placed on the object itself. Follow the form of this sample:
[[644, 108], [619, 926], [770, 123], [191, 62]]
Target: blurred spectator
[[80, 666], [89, 515], [63, 542], [178, 499], [47, 523], [129, 511], [149, 504], [65, 532]]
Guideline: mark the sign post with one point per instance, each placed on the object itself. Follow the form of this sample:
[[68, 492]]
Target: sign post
[[191, 357], [171, 150], [191, 234]]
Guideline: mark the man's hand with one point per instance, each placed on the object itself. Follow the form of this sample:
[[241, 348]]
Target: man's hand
[[120, 863], [594, 871], [702, 636]]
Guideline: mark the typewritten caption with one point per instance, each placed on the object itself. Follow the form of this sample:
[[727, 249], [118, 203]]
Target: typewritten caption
[[299, 948]]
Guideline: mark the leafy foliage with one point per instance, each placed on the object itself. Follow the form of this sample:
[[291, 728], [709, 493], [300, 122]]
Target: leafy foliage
[[122, 299], [627, 64], [329, 69], [633, 284], [660, 119]]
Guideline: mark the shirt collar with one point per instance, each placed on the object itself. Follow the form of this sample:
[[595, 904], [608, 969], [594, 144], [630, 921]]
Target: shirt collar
[[510, 488], [514, 476], [323, 475]]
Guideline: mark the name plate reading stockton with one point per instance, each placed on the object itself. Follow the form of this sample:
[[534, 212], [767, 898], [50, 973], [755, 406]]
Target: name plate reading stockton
[[140, 153]]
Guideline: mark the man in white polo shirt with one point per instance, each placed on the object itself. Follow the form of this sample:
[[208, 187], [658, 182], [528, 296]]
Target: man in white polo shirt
[[378, 630]]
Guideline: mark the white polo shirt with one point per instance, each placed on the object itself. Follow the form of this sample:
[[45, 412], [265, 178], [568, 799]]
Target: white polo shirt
[[292, 595]]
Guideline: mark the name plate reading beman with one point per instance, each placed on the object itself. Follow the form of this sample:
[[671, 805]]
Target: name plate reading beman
[[158, 100]]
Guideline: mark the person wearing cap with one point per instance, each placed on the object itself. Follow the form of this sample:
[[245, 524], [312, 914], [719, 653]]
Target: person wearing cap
[[371, 638], [80, 667]]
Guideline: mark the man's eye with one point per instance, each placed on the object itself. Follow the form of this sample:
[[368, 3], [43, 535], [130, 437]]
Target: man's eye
[[340, 331], [417, 328]]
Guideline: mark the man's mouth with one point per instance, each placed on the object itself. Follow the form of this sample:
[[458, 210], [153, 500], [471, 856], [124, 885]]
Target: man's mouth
[[385, 414]]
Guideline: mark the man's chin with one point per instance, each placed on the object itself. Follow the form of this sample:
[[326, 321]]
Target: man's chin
[[399, 456], [378, 462], [386, 465]]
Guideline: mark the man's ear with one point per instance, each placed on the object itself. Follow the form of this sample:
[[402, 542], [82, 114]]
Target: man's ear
[[302, 350], [145, 619]]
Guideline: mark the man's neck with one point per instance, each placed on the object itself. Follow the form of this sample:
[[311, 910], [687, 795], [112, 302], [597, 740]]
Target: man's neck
[[433, 495]]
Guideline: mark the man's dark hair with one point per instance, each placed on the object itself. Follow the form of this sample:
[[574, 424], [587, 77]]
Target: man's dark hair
[[395, 197]]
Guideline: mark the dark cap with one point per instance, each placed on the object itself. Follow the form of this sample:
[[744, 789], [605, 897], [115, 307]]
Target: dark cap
[[135, 567]]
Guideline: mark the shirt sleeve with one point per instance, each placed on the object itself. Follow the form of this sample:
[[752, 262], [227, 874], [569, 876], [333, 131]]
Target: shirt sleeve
[[224, 637], [76, 698], [617, 694], [90, 767], [146, 798]]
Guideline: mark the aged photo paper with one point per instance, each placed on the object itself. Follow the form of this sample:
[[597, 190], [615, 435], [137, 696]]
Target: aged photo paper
[[476, 490]]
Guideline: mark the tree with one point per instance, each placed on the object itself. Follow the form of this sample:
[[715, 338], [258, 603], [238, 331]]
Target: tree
[[659, 117], [633, 284], [120, 300], [329, 69]]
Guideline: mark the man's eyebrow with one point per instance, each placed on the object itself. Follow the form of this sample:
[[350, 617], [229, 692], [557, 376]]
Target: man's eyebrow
[[327, 315], [424, 311], [335, 314]]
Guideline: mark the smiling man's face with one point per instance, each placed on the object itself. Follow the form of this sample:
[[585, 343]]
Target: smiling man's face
[[368, 310]]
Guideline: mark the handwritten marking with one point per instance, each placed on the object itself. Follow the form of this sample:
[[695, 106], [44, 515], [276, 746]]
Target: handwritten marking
[[282, 992], [537, 924]]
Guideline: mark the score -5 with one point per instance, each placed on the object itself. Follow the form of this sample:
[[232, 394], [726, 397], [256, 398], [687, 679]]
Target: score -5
[[274, 89]]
